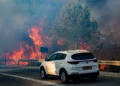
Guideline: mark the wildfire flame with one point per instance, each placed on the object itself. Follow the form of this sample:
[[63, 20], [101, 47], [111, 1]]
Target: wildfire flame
[[60, 41], [27, 51], [84, 46], [34, 34], [103, 67]]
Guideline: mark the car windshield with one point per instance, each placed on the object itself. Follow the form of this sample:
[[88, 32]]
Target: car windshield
[[82, 56]]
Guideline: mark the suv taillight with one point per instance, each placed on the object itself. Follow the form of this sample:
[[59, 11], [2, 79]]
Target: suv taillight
[[73, 62], [95, 60]]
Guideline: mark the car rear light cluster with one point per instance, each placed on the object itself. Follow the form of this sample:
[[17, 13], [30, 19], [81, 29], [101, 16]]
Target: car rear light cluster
[[95, 60], [73, 62], [76, 62]]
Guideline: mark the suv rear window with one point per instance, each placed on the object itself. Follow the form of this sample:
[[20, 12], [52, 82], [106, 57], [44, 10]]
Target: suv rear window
[[82, 56]]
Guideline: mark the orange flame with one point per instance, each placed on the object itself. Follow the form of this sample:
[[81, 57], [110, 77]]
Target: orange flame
[[34, 35], [103, 67], [27, 51], [60, 41], [84, 46]]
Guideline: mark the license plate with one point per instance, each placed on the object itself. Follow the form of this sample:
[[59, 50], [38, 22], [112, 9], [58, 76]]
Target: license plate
[[87, 68]]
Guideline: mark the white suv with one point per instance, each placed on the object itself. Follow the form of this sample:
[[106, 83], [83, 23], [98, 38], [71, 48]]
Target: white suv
[[70, 64]]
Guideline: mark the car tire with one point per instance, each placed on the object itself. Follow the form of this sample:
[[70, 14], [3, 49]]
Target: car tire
[[94, 78], [64, 76], [43, 73]]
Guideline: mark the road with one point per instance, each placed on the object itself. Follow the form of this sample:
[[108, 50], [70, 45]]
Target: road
[[11, 81], [30, 77]]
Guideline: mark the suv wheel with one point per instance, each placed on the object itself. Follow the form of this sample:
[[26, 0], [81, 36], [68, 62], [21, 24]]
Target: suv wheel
[[43, 74], [64, 76]]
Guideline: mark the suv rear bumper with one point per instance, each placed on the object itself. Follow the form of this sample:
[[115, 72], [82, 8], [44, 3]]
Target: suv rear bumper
[[85, 75]]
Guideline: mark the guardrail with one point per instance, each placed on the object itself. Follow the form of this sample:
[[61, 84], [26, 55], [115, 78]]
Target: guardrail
[[104, 62], [28, 60], [107, 62], [4, 61]]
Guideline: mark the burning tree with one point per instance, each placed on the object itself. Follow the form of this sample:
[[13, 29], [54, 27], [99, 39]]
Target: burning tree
[[77, 26]]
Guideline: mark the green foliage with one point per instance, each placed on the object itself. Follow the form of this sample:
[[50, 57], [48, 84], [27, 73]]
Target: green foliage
[[76, 24]]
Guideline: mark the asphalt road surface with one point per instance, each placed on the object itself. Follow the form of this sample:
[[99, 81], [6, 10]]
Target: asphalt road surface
[[11, 81], [30, 77]]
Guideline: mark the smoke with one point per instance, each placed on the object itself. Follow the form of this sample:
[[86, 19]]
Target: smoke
[[104, 10], [17, 16], [107, 14]]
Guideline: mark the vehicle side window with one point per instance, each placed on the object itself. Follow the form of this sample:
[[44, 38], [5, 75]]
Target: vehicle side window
[[60, 56], [53, 57]]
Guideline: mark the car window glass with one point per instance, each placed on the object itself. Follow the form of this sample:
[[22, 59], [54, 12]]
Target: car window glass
[[60, 56], [82, 56], [52, 57]]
